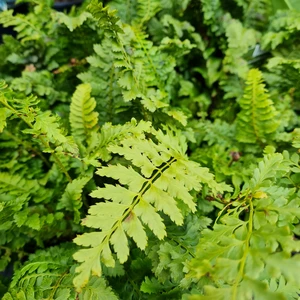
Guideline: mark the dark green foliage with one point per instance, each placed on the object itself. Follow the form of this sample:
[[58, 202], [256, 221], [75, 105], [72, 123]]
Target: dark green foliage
[[149, 151]]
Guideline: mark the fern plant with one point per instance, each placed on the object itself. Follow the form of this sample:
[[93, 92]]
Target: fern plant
[[257, 249], [149, 151]]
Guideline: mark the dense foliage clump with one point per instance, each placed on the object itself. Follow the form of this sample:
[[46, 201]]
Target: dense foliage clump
[[149, 150]]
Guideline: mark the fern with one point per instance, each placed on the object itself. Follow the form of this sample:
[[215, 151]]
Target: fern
[[256, 13], [255, 250], [71, 199], [162, 179], [82, 117], [42, 125], [257, 120], [169, 256], [142, 70], [153, 166], [38, 83], [108, 94], [112, 135], [72, 22], [126, 14], [106, 18], [283, 25], [26, 31], [239, 39], [145, 11], [137, 12], [56, 283], [212, 13]]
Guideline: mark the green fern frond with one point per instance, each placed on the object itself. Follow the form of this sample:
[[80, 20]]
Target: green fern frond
[[255, 249], [72, 22], [135, 70], [71, 199], [48, 275], [257, 120], [212, 13], [15, 184], [148, 70], [126, 13], [146, 10], [113, 134], [47, 125], [107, 19], [283, 26], [38, 83], [271, 166], [120, 87], [4, 113], [169, 256], [240, 39], [83, 118], [103, 77], [42, 124], [27, 31], [136, 12], [256, 12], [159, 180]]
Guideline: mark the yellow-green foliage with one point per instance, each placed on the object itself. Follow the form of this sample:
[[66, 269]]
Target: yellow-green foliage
[[83, 118], [258, 120]]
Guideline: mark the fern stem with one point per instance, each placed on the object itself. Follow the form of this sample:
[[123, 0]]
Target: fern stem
[[134, 285], [183, 246], [253, 112], [110, 94], [224, 208], [57, 285], [63, 169], [147, 14], [20, 253], [136, 199], [150, 61], [246, 251]]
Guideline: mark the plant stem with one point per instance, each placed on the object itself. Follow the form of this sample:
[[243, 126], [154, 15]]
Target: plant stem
[[246, 251]]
